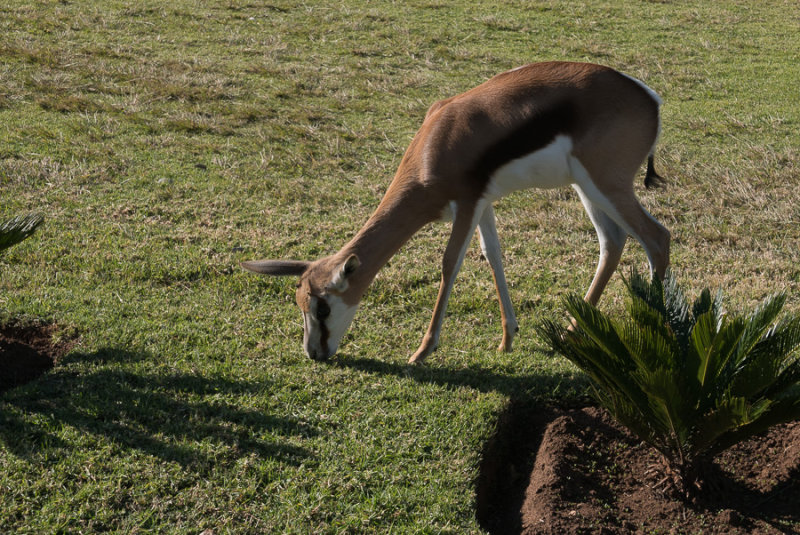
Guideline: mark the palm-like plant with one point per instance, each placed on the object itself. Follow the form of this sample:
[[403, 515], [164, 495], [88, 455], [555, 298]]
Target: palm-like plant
[[689, 379], [16, 229]]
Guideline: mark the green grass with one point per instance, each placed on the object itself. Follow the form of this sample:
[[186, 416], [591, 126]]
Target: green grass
[[167, 141]]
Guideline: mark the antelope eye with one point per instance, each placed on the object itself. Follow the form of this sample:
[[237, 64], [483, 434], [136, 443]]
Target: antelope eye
[[323, 310]]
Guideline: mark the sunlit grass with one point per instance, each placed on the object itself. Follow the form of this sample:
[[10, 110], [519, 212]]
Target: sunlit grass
[[166, 142]]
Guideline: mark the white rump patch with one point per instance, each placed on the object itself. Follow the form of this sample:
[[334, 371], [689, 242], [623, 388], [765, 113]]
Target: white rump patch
[[545, 168]]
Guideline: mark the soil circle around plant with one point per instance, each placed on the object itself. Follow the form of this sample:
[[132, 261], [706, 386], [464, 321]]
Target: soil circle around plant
[[574, 471], [26, 352]]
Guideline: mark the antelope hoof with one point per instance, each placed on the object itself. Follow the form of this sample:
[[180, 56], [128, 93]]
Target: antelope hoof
[[417, 358], [505, 345], [421, 354], [508, 338]]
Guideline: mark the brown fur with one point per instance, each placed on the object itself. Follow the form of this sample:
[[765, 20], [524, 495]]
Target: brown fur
[[611, 120]]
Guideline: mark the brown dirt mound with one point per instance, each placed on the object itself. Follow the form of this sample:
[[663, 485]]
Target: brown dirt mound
[[26, 352], [590, 476]]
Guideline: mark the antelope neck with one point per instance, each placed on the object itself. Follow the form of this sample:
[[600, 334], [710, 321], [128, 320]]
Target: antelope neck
[[393, 223]]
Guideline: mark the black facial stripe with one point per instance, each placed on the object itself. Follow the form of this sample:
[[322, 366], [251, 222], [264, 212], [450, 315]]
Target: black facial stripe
[[323, 310], [323, 336], [321, 313]]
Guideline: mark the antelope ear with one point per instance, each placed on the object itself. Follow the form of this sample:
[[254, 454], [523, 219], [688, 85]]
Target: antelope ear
[[339, 281], [277, 267]]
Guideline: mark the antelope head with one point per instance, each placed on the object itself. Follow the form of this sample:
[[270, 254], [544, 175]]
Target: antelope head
[[327, 306]]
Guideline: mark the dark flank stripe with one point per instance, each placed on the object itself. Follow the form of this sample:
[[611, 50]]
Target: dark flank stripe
[[536, 133]]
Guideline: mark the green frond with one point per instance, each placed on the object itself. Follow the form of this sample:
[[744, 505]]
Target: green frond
[[607, 370], [649, 291], [756, 327], [677, 310], [701, 341], [578, 349], [639, 419], [715, 381], [643, 312], [705, 303], [668, 405], [780, 411], [713, 342], [772, 363], [788, 378], [728, 415], [599, 328], [16, 229], [651, 346]]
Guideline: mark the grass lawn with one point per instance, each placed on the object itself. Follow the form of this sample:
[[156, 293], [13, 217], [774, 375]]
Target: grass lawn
[[165, 142]]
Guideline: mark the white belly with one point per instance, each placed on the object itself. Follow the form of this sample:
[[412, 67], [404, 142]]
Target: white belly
[[545, 168]]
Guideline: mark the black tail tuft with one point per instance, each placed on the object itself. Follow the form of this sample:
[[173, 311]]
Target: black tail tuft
[[651, 178]]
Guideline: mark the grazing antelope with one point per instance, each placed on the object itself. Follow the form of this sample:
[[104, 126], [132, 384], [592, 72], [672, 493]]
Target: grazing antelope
[[543, 125]]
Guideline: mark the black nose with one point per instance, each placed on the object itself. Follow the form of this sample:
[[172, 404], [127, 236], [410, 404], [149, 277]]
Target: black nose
[[319, 356]]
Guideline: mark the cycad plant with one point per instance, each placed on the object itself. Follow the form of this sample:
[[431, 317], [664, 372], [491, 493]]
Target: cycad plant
[[16, 229], [689, 379]]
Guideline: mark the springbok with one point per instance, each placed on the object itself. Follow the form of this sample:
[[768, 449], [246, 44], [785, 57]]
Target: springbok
[[543, 125]]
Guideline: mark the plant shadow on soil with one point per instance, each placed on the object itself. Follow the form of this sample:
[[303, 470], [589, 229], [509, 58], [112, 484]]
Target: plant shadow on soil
[[165, 415]]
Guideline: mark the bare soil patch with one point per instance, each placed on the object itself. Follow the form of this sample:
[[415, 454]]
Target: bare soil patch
[[26, 352], [583, 473]]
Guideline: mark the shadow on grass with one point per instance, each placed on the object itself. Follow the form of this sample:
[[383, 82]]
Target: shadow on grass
[[178, 417], [508, 457], [529, 388]]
